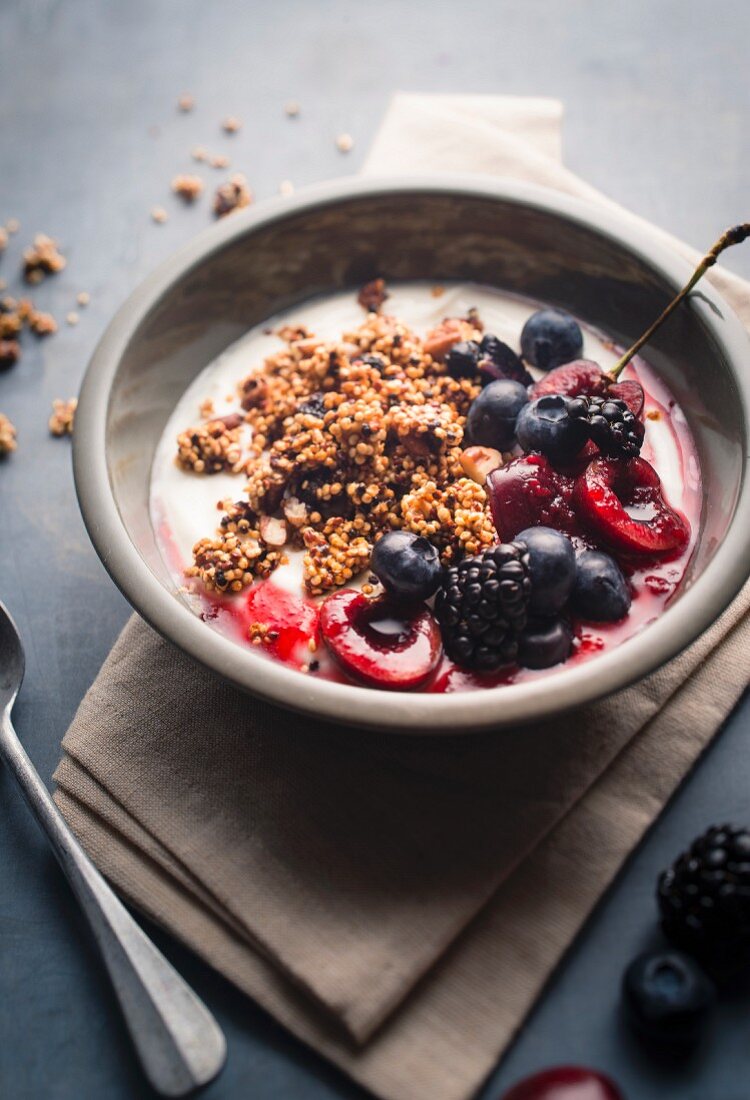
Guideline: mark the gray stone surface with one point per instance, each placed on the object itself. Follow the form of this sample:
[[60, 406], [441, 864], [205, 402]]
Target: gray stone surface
[[657, 96]]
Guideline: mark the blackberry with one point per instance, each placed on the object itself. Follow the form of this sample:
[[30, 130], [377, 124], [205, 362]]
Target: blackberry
[[704, 900], [482, 605], [376, 361], [610, 423]]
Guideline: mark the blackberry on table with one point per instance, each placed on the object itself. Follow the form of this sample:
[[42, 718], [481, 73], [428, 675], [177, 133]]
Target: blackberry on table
[[704, 899], [482, 607], [611, 425]]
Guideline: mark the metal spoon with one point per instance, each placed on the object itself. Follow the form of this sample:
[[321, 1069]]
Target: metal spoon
[[179, 1043]]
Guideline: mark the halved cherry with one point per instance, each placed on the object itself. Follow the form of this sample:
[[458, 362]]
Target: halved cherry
[[581, 377], [378, 643], [529, 492], [565, 1083], [621, 501], [585, 378], [290, 622], [629, 391]]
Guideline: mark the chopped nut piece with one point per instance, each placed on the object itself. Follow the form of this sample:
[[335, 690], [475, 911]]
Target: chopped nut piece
[[273, 531], [10, 353], [158, 214], [63, 416], [83, 298], [72, 318], [478, 462], [10, 325], [286, 188], [187, 187], [232, 195], [185, 103], [42, 258], [231, 124], [372, 295], [7, 436], [291, 108], [441, 339], [344, 143]]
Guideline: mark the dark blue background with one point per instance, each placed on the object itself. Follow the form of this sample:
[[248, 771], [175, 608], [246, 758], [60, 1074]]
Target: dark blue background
[[657, 95]]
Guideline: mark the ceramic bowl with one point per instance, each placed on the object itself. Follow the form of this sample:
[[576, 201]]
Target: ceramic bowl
[[515, 237]]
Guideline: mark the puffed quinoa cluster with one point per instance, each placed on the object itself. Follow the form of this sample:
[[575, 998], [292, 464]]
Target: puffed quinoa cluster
[[349, 439], [42, 258]]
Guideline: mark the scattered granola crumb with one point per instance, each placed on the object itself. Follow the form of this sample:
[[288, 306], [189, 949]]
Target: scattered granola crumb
[[10, 325], [187, 187], [231, 124], [219, 160], [41, 259], [345, 143], [199, 152], [185, 103], [3, 238], [232, 195], [72, 318], [207, 408], [63, 416], [10, 353], [291, 108], [653, 414], [3, 284], [158, 215], [437, 291], [83, 298], [12, 225], [7, 436], [372, 295], [41, 324], [286, 188]]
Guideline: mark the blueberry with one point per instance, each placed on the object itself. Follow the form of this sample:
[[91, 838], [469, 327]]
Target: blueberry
[[550, 338], [497, 360], [545, 426], [462, 359], [407, 565], [492, 415], [668, 997], [544, 642], [600, 592], [552, 561]]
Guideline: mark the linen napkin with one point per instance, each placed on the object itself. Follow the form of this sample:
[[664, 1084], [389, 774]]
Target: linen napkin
[[396, 903]]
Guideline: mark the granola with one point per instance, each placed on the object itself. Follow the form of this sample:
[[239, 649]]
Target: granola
[[7, 436], [349, 439]]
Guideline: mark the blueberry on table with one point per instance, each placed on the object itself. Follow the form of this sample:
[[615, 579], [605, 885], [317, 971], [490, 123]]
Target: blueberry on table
[[600, 592], [552, 561], [669, 999], [407, 565], [463, 358], [545, 426], [544, 643], [550, 338], [491, 421], [565, 1083]]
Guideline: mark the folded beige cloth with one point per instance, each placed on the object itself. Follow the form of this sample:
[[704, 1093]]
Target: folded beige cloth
[[397, 903]]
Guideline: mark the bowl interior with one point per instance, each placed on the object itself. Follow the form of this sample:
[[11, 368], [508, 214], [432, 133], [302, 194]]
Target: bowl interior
[[265, 265]]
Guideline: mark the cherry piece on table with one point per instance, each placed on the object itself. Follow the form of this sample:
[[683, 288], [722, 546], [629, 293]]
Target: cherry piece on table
[[565, 1083]]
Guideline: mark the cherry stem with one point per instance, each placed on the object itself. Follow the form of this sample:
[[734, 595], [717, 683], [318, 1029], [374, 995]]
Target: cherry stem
[[736, 235]]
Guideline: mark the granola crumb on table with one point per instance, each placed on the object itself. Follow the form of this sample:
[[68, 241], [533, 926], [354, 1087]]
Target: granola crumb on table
[[349, 439], [63, 416], [188, 187], [7, 436], [232, 195], [41, 259]]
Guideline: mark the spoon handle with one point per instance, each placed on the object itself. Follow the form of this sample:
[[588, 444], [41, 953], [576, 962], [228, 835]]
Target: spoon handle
[[180, 1045]]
